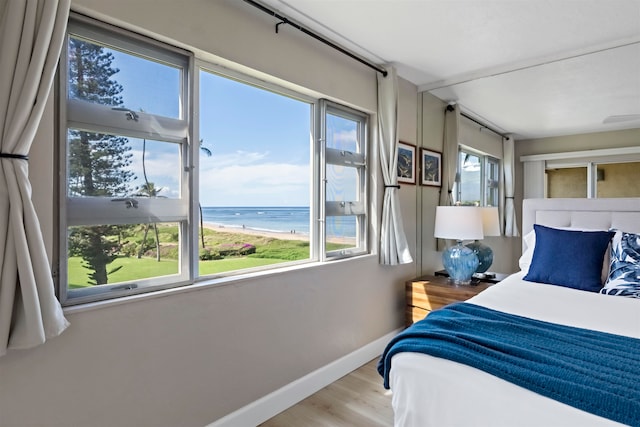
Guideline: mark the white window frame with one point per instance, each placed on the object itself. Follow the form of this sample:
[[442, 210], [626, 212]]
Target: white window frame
[[356, 160], [314, 162], [82, 115], [91, 117], [485, 160], [535, 165]]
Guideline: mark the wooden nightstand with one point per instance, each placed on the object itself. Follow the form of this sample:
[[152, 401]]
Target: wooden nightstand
[[428, 293]]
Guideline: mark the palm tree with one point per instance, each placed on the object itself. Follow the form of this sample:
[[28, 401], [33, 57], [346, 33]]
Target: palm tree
[[208, 152], [148, 189]]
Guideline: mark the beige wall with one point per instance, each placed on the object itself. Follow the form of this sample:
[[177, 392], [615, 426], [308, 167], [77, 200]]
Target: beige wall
[[567, 182], [431, 129], [620, 180], [187, 358]]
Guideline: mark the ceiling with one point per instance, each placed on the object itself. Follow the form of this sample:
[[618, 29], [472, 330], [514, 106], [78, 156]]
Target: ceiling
[[533, 68]]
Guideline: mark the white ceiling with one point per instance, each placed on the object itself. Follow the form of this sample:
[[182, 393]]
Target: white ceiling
[[533, 68]]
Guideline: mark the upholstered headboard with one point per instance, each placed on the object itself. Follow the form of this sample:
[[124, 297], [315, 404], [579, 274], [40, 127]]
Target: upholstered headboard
[[587, 214]]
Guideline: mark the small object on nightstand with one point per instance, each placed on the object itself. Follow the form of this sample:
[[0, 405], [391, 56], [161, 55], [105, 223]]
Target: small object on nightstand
[[488, 277], [482, 276]]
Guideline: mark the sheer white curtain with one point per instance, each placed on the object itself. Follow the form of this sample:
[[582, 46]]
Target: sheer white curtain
[[449, 158], [393, 241], [450, 153], [510, 225], [31, 37]]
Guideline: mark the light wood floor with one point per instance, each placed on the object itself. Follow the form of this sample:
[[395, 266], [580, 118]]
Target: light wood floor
[[356, 400]]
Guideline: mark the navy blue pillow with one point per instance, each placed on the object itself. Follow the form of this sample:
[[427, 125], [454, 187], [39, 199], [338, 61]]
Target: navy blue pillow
[[569, 258]]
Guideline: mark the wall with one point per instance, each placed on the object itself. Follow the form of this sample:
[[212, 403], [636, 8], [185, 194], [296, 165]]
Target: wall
[[191, 356], [567, 182], [432, 130], [619, 180]]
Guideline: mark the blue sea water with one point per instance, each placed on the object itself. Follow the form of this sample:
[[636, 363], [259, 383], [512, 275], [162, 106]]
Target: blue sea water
[[279, 219], [274, 219]]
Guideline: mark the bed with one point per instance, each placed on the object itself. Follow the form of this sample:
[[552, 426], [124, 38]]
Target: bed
[[428, 390]]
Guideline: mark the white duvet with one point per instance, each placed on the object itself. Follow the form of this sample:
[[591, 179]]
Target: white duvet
[[429, 391]]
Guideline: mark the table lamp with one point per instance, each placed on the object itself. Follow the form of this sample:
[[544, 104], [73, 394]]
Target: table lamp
[[459, 223], [490, 227]]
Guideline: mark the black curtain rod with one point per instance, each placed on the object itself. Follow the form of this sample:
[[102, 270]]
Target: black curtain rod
[[450, 108], [285, 20]]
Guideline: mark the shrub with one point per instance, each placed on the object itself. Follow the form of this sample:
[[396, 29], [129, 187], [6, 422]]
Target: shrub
[[235, 249], [209, 255]]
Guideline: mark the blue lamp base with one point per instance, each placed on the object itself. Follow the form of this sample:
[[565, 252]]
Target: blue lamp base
[[460, 262], [484, 254]]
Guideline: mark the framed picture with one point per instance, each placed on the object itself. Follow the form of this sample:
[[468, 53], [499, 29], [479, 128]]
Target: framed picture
[[406, 163], [431, 167]]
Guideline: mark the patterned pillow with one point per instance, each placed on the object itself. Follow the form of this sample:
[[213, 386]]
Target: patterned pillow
[[624, 271]]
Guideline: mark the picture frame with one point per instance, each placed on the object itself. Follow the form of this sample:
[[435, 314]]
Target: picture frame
[[406, 167], [430, 167]]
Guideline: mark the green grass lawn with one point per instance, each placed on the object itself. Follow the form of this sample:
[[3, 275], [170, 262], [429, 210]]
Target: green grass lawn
[[135, 269], [268, 251]]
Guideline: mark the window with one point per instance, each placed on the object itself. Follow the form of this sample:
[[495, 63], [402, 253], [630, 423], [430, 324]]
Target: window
[[254, 175], [477, 182], [594, 180], [345, 201], [597, 173], [275, 177], [126, 184]]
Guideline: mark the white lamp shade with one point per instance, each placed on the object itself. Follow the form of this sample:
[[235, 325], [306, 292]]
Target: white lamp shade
[[458, 222], [490, 221]]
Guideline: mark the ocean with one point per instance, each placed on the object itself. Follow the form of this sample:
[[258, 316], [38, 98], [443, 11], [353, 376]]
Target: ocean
[[277, 219]]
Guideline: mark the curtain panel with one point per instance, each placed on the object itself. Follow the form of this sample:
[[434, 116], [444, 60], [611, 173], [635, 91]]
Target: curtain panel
[[394, 248], [31, 37], [450, 142], [510, 224]]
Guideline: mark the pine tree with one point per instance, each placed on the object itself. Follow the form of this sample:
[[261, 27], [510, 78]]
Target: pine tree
[[97, 162]]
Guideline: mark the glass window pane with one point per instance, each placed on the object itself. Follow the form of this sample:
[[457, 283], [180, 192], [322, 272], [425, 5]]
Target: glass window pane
[[107, 76], [341, 232], [342, 133], [254, 176], [618, 180], [104, 165], [470, 179], [342, 183], [493, 182], [111, 254], [567, 182]]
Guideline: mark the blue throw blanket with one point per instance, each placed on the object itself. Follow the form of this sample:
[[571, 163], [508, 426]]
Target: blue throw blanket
[[589, 370]]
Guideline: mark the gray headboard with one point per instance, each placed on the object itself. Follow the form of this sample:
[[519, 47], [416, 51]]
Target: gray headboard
[[589, 214]]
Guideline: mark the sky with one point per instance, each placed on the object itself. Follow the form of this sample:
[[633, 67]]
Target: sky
[[260, 141]]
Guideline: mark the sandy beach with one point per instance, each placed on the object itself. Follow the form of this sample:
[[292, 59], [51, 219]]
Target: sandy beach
[[275, 235]]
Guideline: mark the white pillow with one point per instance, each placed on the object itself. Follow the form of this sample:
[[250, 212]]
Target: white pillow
[[530, 241], [525, 260]]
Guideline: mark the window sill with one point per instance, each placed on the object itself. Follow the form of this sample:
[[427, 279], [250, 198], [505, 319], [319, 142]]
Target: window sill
[[205, 283]]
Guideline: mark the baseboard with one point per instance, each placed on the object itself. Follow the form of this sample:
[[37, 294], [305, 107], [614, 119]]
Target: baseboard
[[272, 404]]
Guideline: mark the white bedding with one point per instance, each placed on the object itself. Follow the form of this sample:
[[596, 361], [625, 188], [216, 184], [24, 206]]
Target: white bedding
[[429, 391]]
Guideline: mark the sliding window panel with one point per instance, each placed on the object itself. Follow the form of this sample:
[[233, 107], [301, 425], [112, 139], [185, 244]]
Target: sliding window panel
[[124, 164], [345, 189]]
